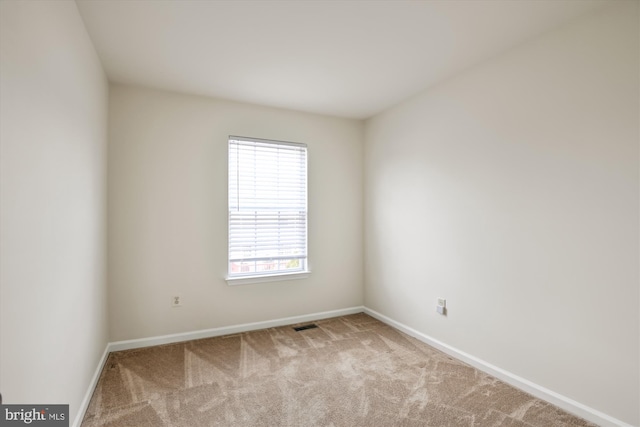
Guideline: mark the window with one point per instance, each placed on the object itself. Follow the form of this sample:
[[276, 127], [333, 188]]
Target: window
[[267, 208]]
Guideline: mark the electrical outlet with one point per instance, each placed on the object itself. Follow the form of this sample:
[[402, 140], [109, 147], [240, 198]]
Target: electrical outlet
[[442, 302], [176, 301]]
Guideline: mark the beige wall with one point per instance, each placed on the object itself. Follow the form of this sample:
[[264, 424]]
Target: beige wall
[[53, 128], [168, 213], [512, 191]]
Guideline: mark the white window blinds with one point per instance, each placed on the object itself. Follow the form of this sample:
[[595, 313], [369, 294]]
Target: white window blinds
[[267, 207]]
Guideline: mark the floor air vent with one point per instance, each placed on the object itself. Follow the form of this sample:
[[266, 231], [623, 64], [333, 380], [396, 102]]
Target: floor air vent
[[305, 327]]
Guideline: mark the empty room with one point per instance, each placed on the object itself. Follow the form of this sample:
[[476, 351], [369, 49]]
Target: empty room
[[320, 213]]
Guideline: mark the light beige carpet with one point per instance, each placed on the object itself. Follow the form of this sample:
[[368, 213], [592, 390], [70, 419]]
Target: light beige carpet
[[350, 371]]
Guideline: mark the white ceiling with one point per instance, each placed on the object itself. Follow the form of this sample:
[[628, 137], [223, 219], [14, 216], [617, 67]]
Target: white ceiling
[[342, 58]]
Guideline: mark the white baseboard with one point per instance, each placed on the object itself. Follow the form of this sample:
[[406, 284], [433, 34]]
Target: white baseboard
[[227, 330], [536, 390], [92, 386]]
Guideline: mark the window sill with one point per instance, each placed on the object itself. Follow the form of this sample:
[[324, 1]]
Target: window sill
[[247, 280]]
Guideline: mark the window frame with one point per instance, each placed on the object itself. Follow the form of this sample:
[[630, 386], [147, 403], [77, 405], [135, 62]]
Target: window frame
[[274, 275]]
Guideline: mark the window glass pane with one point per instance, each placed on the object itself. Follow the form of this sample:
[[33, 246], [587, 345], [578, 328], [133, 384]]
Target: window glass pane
[[267, 207]]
